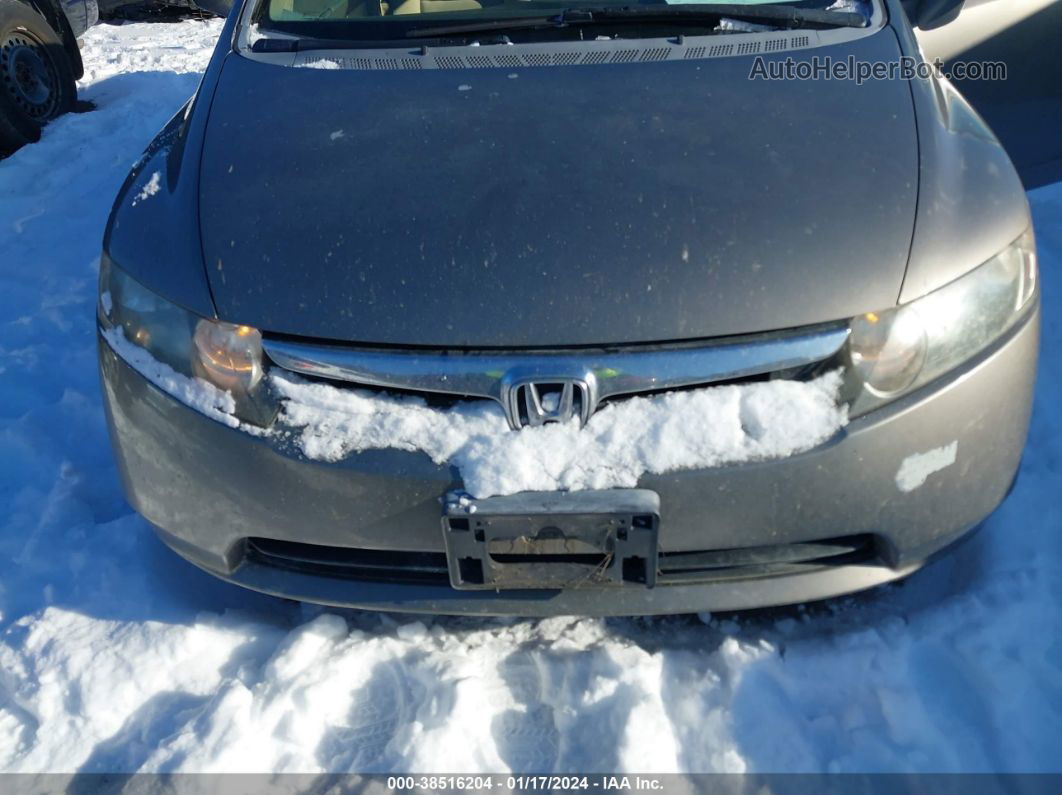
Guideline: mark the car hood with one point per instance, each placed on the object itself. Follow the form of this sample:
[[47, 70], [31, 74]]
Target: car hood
[[555, 206]]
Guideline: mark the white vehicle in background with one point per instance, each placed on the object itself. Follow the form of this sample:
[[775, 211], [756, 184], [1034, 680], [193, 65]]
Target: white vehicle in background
[[978, 21], [1025, 109]]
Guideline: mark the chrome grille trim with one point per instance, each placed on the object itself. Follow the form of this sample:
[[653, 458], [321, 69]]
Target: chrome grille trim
[[485, 374]]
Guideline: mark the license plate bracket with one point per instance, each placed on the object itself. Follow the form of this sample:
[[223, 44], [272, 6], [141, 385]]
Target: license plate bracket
[[550, 540]]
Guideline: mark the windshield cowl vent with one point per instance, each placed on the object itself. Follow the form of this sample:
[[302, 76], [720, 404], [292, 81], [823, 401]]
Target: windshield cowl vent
[[584, 53]]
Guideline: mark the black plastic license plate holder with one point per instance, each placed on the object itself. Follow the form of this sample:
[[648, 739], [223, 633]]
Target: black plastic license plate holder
[[553, 540]]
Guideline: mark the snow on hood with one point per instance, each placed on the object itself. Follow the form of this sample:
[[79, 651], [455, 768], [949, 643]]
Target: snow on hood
[[691, 429]]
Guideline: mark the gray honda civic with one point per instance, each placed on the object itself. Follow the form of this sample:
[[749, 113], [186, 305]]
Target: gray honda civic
[[533, 307]]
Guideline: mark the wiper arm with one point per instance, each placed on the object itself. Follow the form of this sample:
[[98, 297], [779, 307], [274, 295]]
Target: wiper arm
[[786, 16]]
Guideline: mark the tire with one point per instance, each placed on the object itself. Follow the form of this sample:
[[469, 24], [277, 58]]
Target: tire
[[53, 12], [36, 76]]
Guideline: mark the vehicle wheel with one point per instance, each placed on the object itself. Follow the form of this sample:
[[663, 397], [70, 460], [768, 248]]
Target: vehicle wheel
[[61, 25], [36, 77]]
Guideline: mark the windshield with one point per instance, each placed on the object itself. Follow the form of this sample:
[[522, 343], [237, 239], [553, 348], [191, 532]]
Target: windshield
[[369, 20]]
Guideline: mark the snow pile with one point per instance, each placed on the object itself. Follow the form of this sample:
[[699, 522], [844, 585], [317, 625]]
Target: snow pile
[[116, 656], [183, 47], [621, 441]]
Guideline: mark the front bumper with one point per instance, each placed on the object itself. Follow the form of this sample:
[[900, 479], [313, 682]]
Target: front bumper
[[208, 488]]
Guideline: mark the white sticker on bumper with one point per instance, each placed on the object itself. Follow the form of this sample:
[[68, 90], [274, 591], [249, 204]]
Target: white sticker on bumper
[[916, 468]]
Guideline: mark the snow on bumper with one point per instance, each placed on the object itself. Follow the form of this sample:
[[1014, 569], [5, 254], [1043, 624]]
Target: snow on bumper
[[707, 427], [212, 486], [209, 487]]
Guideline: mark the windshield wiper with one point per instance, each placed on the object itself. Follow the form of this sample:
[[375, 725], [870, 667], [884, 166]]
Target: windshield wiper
[[783, 16]]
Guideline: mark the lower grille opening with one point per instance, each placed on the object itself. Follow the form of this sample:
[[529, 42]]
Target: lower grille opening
[[425, 568], [675, 568], [765, 561]]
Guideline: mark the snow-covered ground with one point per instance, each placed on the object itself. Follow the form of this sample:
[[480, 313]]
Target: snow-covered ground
[[117, 656]]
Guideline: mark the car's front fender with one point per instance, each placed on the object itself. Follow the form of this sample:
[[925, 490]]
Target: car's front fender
[[153, 230]]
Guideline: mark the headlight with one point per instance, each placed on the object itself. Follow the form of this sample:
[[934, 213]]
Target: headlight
[[888, 350], [229, 356], [225, 355], [896, 350]]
